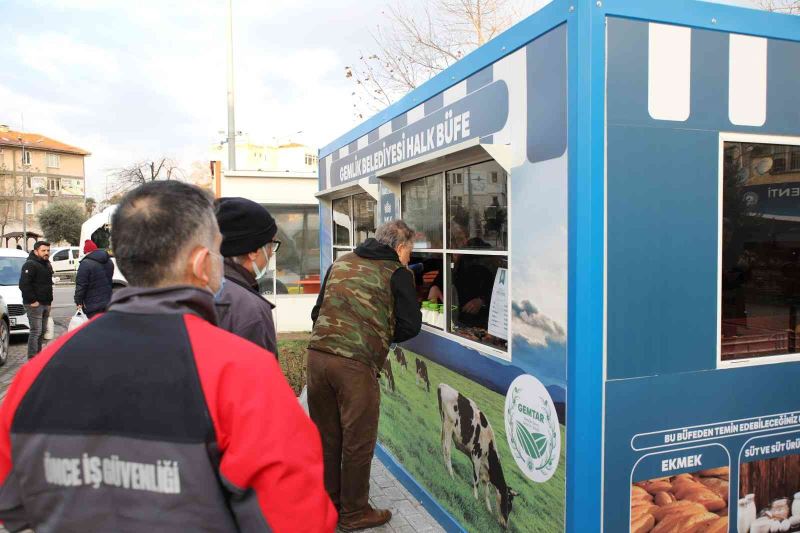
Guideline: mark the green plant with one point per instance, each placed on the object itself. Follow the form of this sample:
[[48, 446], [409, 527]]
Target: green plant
[[62, 221]]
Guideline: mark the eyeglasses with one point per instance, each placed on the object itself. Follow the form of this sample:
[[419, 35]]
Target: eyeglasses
[[275, 245]]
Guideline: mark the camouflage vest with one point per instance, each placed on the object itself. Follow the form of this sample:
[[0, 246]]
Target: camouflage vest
[[356, 318]]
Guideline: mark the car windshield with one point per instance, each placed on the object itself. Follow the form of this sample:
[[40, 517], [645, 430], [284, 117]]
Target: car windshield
[[10, 268]]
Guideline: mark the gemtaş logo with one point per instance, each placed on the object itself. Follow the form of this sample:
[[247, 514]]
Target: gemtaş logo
[[532, 428]]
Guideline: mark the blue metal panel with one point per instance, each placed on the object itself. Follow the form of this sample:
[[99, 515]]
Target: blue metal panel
[[783, 86], [480, 79], [712, 16], [399, 122], [709, 96], [512, 39], [435, 103], [662, 250], [585, 331], [352, 147], [547, 95], [627, 71], [373, 136]]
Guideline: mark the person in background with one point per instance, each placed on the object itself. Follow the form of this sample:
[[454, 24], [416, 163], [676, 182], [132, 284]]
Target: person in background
[[150, 418], [36, 285], [366, 302], [19, 247], [94, 281], [248, 233]]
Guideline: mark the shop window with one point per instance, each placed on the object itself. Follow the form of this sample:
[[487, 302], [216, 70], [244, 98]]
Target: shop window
[[364, 207], [421, 208], [297, 259], [353, 221], [760, 292], [465, 281], [477, 209]]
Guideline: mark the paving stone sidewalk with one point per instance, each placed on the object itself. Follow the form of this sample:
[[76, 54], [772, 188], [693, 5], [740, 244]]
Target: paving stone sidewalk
[[408, 514]]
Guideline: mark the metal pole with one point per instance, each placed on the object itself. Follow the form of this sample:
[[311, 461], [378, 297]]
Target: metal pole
[[24, 199], [231, 125]]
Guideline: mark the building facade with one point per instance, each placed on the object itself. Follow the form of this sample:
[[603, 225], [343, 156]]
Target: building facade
[[35, 171]]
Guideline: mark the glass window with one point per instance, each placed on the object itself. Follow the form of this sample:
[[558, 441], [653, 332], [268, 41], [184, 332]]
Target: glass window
[[422, 206], [297, 259], [341, 221], [428, 269], [477, 207], [760, 252], [364, 210], [61, 255], [470, 291], [10, 269], [75, 253]]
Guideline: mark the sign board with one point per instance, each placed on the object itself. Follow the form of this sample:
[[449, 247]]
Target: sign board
[[498, 309]]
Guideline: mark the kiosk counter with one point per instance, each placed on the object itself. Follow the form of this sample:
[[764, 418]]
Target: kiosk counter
[[606, 200]]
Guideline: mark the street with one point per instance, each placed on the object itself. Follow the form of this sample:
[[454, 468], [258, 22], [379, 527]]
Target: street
[[62, 311]]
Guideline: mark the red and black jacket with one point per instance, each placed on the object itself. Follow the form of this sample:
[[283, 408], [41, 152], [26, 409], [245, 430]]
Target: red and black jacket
[[150, 418]]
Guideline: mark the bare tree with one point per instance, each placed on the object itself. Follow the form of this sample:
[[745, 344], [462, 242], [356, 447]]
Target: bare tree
[[412, 46], [139, 173], [791, 7], [10, 197]]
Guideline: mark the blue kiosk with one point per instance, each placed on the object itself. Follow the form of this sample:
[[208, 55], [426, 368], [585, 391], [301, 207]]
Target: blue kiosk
[[606, 201]]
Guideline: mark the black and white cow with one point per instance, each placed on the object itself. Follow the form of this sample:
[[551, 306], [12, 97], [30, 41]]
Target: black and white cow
[[400, 356], [465, 424], [422, 374], [387, 371]]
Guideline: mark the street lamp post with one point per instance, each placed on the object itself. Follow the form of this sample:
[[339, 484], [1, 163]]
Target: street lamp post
[[231, 125], [24, 198]]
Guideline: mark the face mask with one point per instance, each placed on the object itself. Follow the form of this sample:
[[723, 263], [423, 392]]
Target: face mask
[[264, 277], [218, 294]]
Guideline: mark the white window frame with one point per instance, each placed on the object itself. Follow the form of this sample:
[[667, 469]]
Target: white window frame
[[26, 157], [756, 139], [446, 251], [53, 158], [30, 211], [352, 245]]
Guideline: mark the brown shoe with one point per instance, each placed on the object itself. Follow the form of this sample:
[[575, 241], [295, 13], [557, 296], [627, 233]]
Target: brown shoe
[[369, 518]]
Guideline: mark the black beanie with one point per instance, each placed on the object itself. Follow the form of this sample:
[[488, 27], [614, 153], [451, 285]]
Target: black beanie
[[245, 226]]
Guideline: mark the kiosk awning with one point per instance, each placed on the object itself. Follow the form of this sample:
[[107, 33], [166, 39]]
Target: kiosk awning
[[350, 188], [468, 150]]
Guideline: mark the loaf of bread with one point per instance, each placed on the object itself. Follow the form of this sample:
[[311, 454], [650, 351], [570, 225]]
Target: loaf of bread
[[717, 486], [654, 486], [682, 487], [643, 523], [708, 524], [706, 498], [663, 498], [678, 508], [638, 493]]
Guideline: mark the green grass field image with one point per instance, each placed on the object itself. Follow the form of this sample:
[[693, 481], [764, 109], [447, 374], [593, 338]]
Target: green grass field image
[[410, 428]]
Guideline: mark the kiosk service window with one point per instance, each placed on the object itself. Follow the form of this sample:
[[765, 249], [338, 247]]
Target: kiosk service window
[[461, 250], [353, 222], [760, 242]]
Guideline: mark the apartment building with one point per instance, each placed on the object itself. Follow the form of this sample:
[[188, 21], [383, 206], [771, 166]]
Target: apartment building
[[35, 170]]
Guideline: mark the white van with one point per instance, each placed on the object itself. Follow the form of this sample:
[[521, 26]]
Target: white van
[[65, 261], [11, 261]]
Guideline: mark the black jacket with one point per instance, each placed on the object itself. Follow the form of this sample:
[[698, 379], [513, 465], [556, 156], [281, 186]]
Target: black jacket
[[93, 283], [408, 318], [36, 281], [243, 311]]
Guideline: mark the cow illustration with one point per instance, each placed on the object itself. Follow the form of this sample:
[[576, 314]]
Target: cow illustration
[[465, 424], [387, 371], [422, 374], [400, 356]]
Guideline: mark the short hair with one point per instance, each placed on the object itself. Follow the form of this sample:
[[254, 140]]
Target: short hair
[[39, 244], [154, 224], [395, 233]]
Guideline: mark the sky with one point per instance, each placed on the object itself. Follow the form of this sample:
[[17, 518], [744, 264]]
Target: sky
[[140, 80]]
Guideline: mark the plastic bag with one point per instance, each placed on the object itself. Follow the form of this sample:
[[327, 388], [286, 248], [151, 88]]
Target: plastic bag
[[50, 330], [304, 399], [77, 320]]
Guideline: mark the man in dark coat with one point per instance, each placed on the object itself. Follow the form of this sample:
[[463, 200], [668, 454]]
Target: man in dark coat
[[36, 285], [248, 232], [93, 283]]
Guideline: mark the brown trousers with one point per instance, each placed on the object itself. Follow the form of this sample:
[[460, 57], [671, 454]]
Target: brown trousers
[[344, 402]]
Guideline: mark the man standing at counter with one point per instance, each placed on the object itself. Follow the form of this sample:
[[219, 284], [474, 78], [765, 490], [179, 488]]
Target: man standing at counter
[[367, 301]]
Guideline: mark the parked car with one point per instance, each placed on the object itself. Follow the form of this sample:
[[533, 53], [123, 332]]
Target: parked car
[[11, 261], [65, 261]]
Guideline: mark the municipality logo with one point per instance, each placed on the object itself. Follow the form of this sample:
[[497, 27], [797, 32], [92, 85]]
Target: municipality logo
[[532, 428]]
